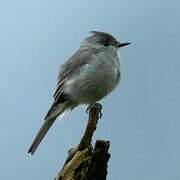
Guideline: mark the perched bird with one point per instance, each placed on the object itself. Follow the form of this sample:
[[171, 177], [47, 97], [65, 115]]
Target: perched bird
[[89, 75]]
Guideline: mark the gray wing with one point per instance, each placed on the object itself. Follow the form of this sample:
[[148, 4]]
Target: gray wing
[[73, 66]]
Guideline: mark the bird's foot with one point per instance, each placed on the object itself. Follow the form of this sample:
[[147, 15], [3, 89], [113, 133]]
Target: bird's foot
[[97, 105]]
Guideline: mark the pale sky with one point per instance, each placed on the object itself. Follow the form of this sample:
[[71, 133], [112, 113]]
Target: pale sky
[[140, 118]]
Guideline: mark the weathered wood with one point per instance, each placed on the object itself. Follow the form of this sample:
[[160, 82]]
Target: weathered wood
[[86, 162]]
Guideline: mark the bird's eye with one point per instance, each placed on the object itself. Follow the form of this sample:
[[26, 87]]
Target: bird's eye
[[106, 43]]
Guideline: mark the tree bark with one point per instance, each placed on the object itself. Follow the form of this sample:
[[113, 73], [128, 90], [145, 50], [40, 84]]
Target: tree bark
[[86, 162]]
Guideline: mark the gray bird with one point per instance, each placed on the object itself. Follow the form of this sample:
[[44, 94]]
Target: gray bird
[[89, 75]]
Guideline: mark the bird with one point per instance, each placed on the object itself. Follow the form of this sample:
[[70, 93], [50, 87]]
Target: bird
[[89, 75]]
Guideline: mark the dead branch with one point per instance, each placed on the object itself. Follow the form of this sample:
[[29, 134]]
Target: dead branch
[[86, 162]]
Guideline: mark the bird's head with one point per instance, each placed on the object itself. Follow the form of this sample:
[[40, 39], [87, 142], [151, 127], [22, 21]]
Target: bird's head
[[103, 39]]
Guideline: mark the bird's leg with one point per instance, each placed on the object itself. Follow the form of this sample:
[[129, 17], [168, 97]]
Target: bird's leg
[[99, 106]]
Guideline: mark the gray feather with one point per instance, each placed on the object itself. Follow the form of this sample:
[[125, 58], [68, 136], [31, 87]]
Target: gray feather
[[42, 132], [49, 120], [74, 66]]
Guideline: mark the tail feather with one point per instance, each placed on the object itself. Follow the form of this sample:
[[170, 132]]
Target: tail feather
[[51, 116], [42, 132]]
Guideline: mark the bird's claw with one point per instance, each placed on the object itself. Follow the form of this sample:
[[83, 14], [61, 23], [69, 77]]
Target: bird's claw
[[99, 106]]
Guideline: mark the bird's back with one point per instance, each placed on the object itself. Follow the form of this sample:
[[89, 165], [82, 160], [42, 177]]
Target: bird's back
[[95, 78]]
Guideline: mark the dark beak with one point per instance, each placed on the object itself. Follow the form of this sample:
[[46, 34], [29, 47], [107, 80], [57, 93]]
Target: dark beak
[[123, 44]]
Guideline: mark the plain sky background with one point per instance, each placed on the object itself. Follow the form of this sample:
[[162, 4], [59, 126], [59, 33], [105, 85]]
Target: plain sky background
[[140, 118]]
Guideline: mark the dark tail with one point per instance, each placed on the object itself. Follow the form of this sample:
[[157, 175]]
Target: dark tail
[[51, 116], [42, 132]]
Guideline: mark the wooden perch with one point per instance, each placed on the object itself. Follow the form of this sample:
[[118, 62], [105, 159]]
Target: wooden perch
[[86, 162]]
